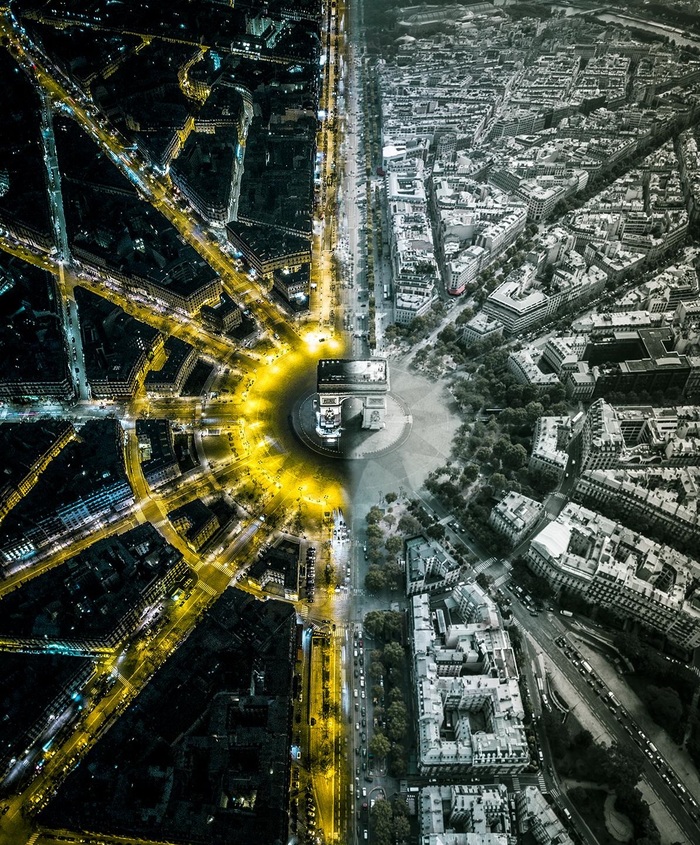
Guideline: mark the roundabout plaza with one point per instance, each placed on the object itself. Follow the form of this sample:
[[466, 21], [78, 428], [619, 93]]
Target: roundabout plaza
[[352, 415]]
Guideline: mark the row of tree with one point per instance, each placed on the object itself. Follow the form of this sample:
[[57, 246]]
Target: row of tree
[[389, 673], [389, 820], [384, 549]]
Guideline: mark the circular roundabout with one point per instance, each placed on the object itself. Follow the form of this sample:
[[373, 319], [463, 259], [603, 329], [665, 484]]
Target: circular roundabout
[[355, 443]]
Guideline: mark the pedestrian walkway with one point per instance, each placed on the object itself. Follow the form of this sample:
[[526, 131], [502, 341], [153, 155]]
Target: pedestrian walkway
[[692, 711]]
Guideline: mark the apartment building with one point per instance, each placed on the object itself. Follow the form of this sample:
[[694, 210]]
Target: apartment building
[[662, 498], [640, 436], [514, 516], [611, 566], [464, 672]]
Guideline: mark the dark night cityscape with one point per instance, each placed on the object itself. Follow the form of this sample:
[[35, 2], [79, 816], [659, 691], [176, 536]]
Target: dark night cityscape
[[349, 422]]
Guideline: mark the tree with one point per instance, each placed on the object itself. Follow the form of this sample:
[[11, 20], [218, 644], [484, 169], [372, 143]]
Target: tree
[[374, 624], [409, 525], [374, 532], [402, 828], [484, 581], [374, 515], [396, 720], [534, 411], [622, 766], [394, 574], [557, 733], [665, 708], [375, 580], [393, 545], [515, 456], [436, 531], [379, 745], [464, 316], [384, 625], [390, 497], [375, 551], [470, 473], [376, 671], [394, 655], [382, 817], [397, 761], [498, 482]]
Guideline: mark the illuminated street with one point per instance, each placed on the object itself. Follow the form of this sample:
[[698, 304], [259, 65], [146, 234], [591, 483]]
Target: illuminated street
[[253, 455]]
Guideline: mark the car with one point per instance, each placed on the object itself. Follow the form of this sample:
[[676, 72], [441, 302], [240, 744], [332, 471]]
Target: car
[[364, 791], [357, 726]]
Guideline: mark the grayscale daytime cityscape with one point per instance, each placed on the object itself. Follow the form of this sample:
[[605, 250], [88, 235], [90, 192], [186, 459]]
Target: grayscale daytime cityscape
[[349, 422]]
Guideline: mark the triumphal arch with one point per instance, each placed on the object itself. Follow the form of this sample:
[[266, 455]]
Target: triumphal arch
[[339, 379]]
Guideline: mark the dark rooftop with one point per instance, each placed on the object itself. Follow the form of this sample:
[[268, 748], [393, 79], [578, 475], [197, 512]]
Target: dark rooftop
[[22, 170], [91, 594], [31, 341], [216, 769], [113, 341]]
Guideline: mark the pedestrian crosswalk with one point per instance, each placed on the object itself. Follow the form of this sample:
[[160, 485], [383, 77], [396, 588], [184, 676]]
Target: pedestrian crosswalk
[[205, 588], [484, 564], [541, 783], [126, 683], [516, 783]]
